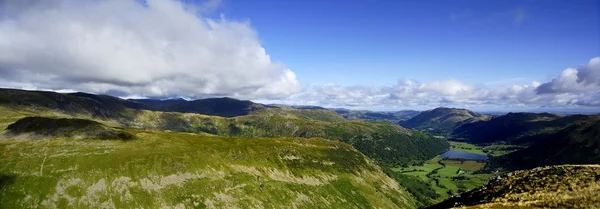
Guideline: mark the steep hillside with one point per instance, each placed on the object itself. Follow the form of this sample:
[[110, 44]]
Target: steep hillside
[[576, 144], [41, 127], [566, 186], [307, 114], [178, 170], [387, 143], [516, 128], [442, 121]]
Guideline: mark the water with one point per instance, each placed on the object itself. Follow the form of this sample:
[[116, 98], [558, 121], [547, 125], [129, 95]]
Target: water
[[453, 154]]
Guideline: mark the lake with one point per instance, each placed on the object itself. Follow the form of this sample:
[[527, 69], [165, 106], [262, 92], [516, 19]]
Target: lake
[[453, 154]]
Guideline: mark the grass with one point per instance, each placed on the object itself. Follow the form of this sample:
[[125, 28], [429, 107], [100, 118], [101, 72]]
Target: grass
[[566, 186], [466, 147], [161, 169], [496, 150], [467, 165]]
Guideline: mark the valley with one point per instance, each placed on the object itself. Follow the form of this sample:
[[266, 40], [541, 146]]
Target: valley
[[87, 151]]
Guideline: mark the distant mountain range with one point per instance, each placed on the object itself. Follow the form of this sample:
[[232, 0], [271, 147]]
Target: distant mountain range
[[393, 116], [106, 106], [443, 121]]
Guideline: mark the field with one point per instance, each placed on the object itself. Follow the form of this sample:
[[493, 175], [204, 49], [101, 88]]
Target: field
[[444, 176], [495, 150], [466, 147]]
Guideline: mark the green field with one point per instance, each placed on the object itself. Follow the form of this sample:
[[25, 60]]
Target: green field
[[443, 175], [466, 147], [495, 150]]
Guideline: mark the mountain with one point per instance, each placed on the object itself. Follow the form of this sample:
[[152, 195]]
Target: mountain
[[385, 142], [394, 117], [183, 170], [225, 107], [159, 101], [76, 103], [576, 144], [308, 107], [442, 121], [112, 107], [515, 128], [565, 186]]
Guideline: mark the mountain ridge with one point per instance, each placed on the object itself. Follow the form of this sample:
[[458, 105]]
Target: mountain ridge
[[442, 120]]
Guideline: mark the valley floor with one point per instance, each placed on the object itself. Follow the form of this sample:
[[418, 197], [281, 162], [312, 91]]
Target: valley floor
[[448, 177]]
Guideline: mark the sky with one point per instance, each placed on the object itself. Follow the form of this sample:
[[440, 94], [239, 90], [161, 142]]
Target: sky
[[359, 54]]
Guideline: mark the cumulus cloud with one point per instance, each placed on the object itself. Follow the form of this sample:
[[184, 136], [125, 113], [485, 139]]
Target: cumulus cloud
[[574, 87], [585, 78], [413, 94], [155, 48]]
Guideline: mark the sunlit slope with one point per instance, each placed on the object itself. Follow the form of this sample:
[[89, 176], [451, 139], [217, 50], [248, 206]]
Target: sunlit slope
[[178, 170], [566, 186], [385, 142]]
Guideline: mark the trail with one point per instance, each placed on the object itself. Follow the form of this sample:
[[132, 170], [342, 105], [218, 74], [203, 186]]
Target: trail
[[42, 166]]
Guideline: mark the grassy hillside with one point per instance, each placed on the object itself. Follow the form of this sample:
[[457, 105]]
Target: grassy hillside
[[576, 144], [567, 186], [516, 128], [384, 142], [178, 170], [442, 121]]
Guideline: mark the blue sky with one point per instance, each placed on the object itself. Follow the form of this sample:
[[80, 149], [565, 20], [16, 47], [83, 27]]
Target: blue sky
[[378, 41], [512, 55]]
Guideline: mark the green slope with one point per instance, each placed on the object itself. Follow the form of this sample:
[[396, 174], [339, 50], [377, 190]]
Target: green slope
[[566, 186], [177, 170], [442, 121]]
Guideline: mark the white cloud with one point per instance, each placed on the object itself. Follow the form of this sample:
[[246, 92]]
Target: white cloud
[[585, 78], [162, 48]]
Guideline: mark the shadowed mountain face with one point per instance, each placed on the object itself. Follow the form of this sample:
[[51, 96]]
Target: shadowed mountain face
[[568, 186], [224, 107], [576, 144], [517, 128], [442, 121], [41, 127]]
